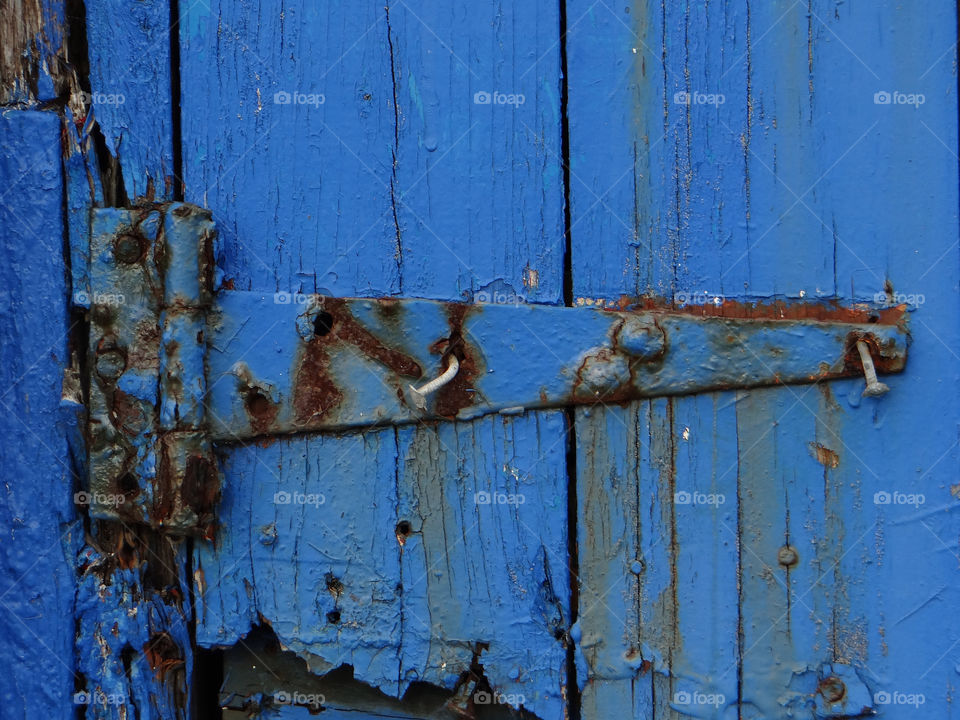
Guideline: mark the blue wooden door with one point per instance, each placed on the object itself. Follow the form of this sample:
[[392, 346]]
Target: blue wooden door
[[788, 552]]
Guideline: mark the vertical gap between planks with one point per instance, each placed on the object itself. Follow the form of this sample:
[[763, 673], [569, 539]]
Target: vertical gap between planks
[[175, 111], [572, 689]]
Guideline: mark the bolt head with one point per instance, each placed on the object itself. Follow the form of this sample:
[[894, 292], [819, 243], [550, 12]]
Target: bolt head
[[788, 556], [110, 364], [129, 249], [832, 689]]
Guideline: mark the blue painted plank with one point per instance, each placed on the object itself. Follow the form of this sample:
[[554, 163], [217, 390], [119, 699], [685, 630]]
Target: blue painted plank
[[289, 124], [658, 564], [345, 190], [626, 604], [39, 521], [478, 187], [485, 567], [133, 647], [130, 91], [393, 584], [809, 156]]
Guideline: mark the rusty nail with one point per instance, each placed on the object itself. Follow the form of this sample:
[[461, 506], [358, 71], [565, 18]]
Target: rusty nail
[[420, 394], [874, 387]]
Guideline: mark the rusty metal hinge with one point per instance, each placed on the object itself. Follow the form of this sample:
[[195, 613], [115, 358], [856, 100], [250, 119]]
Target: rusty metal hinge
[[177, 367]]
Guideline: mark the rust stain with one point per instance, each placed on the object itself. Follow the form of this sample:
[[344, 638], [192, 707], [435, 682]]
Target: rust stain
[[261, 411], [827, 311], [824, 455], [163, 654], [314, 394], [315, 391], [459, 392], [129, 413], [347, 329]]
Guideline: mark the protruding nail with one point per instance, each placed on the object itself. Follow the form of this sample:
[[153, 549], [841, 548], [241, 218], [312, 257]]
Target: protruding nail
[[874, 387], [420, 394]]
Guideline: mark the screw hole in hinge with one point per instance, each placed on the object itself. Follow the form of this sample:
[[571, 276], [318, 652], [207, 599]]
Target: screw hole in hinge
[[322, 324]]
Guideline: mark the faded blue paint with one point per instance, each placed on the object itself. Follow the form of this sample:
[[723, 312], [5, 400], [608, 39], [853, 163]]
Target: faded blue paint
[[312, 526], [797, 186]]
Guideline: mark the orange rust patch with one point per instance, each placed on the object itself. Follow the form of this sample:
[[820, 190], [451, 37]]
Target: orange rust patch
[[824, 455], [822, 311]]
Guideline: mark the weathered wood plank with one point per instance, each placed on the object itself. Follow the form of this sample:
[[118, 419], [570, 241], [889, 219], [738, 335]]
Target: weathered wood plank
[[801, 184], [342, 182], [33, 52], [41, 527], [375, 551], [131, 94], [382, 175]]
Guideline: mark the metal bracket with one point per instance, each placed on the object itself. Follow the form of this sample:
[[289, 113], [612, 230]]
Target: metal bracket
[[175, 368], [152, 275], [333, 363]]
